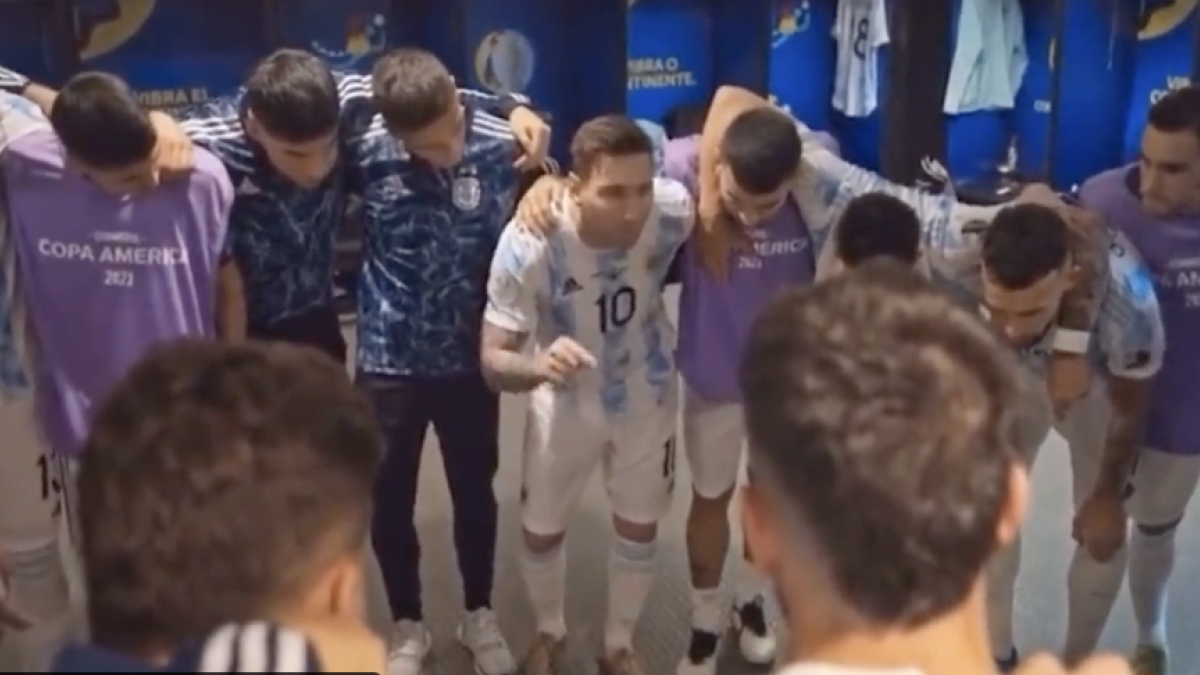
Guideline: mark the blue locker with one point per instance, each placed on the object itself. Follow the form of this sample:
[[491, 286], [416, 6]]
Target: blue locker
[[976, 142], [174, 52], [567, 55], [31, 43], [1162, 62], [803, 59], [349, 34], [1089, 115], [679, 51]]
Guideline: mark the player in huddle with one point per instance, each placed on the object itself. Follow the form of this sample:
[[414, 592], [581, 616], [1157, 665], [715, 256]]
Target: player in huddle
[[602, 376]]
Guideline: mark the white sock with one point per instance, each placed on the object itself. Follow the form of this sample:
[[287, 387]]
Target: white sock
[[1092, 589], [708, 609], [750, 585], [630, 576], [546, 581], [1001, 593], [1151, 559]]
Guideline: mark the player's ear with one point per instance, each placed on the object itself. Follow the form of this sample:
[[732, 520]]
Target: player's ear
[[573, 182], [1016, 504]]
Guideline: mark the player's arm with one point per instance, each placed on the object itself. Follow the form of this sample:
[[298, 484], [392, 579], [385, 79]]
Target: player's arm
[[511, 313], [230, 319], [1081, 304], [1132, 338], [15, 83]]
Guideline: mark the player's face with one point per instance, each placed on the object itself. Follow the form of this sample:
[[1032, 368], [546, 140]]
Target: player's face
[[443, 142], [1022, 316], [1170, 172], [748, 208], [618, 192], [306, 163], [130, 180]]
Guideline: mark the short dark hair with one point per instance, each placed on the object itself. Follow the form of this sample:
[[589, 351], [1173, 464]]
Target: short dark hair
[[761, 147], [1178, 110], [878, 417], [878, 224], [1023, 244], [99, 122], [293, 94], [412, 89], [216, 480], [607, 136]]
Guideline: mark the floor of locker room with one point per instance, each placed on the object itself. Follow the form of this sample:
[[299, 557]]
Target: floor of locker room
[[663, 631]]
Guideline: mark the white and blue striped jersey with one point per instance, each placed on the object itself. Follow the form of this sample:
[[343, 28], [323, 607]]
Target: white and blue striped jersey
[[860, 29], [1128, 339], [11, 81], [609, 301]]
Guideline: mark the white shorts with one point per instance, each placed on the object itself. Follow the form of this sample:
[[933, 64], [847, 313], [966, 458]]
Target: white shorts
[[564, 446], [714, 436], [1162, 484]]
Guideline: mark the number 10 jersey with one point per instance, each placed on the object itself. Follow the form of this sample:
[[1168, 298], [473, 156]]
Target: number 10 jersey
[[607, 300]]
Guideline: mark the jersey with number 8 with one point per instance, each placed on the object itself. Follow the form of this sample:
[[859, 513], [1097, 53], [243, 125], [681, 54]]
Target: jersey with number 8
[[609, 301]]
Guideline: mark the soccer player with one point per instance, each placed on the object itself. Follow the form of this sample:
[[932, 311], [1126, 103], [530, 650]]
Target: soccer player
[[1018, 281], [881, 475], [1156, 204], [249, 431], [438, 180], [602, 378], [777, 196], [110, 260], [280, 143]]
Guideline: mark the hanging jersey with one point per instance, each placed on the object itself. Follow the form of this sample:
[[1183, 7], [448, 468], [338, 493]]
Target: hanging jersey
[[609, 301], [989, 57], [860, 30]]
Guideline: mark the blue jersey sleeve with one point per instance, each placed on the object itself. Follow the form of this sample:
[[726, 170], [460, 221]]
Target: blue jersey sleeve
[[1131, 335], [517, 271]]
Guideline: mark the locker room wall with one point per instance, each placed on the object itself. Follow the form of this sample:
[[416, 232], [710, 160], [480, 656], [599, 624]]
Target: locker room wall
[[34, 38], [679, 50]]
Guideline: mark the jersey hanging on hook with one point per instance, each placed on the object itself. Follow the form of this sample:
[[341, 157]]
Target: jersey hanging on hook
[[861, 28]]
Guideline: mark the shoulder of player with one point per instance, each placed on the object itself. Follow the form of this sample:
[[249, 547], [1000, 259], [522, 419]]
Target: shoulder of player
[[673, 199], [352, 86], [1129, 278], [1101, 191], [37, 150], [211, 174], [490, 129], [519, 249]]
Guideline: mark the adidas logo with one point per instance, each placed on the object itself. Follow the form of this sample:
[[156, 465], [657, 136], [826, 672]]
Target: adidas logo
[[570, 286]]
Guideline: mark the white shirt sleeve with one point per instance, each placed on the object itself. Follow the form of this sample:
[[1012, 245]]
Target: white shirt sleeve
[[517, 273], [1130, 326]]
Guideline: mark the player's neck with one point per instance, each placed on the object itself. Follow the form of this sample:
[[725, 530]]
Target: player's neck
[[955, 643], [596, 236]]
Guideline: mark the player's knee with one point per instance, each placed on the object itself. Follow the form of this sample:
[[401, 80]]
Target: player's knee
[[708, 505], [541, 544], [635, 532]]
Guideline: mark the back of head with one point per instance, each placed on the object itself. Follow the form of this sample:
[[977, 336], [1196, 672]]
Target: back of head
[[100, 123], [1024, 244], [412, 89], [222, 483], [294, 96], [877, 413], [878, 225], [608, 137], [761, 148]]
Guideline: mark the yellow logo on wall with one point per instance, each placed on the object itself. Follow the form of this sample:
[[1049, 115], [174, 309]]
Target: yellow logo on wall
[[1165, 19], [105, 36], [504, 62]]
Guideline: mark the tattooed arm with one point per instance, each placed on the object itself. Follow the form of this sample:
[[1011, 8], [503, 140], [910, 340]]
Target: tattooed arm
[[511, 313], [1126, 428], [505, 367]]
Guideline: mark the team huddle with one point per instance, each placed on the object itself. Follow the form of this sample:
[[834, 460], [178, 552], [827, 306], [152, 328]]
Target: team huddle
[[220, 222]]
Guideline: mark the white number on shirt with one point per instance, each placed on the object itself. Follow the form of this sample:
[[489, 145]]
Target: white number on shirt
[[118, 278], [616, 308]]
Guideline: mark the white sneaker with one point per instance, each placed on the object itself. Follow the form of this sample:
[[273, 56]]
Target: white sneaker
[[756, 635], [701, 657], [480, 634], [408, 647]]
